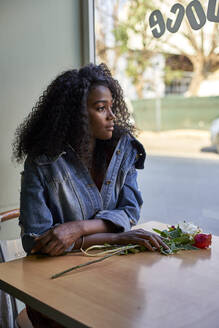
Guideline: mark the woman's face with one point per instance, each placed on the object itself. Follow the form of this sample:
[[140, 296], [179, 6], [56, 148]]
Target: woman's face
[[99, 106]]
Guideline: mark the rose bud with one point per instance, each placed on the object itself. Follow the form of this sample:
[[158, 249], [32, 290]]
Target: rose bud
[[202, 240], [172, 228]]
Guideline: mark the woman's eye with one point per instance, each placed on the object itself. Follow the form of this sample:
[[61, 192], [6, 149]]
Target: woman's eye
[[101, 109]]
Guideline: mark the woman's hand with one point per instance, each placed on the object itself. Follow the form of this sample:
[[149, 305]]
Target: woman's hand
[[141, 237], [56, 240]]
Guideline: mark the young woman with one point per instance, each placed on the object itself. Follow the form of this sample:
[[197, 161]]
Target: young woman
[[79, 184]]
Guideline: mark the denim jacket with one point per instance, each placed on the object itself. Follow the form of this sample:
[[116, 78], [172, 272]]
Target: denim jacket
[[54, 191]]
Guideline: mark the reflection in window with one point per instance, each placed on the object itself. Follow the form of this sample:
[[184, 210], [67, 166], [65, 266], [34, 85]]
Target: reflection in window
[[172, 83]]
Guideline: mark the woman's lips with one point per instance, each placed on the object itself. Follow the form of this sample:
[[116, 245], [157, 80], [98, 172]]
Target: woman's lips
[[110, 128]]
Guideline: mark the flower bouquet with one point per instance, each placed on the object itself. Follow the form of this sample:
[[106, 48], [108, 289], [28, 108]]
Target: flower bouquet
[[184, 236]]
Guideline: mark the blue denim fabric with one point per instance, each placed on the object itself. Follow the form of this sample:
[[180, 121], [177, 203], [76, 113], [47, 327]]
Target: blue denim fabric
[[54, 191]]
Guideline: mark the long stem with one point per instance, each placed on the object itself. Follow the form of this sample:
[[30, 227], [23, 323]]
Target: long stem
[[82, 265], [116, 251], [110, 251]]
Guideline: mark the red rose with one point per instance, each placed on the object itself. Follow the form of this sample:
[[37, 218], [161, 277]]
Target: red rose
[[202, 240]]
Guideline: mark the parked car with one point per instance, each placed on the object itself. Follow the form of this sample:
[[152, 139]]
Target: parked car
[[215, 134]]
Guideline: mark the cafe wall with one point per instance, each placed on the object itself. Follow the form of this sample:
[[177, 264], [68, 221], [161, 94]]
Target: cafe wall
[[38, 40]]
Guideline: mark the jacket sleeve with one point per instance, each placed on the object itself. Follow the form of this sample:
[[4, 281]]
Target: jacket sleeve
[[35, 216], [127, 212]]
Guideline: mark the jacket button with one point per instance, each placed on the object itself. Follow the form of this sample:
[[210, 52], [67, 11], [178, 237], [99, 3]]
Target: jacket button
[[108, 182], [118, 152]]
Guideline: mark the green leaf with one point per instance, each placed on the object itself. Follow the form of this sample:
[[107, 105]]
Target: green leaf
[[190, 247], [184, 239], [143, 248], [173, 245], [125, 252], [157, 231], [134, 250], [165, 251], [175, 233], [165, 234]]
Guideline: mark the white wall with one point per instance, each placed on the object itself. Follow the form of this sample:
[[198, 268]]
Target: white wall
[[38, 40]]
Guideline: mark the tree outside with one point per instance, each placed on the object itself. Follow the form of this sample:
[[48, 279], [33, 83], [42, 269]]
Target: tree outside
[[176, 74], [131, 38]]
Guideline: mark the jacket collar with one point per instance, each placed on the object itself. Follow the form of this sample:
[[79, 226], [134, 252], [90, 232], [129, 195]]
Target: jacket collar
[[139, 164], [141, 154]]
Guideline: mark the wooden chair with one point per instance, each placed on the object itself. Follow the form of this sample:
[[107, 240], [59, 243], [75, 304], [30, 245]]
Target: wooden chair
[[10, 250]]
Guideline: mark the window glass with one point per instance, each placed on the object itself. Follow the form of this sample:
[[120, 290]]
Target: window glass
[[166, 57]]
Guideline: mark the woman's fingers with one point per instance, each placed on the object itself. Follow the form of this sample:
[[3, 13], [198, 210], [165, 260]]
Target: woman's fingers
[[51, 243], [44, 235], [147, 244], [162, 243], [54, 250], [153, 242], [49, 247], [146, 238], [41, 241]]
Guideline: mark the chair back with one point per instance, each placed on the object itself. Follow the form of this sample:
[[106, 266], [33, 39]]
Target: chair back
[[8, 215], [9, 250]]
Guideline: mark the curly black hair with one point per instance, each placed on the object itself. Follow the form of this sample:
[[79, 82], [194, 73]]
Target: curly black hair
[[60, 116]]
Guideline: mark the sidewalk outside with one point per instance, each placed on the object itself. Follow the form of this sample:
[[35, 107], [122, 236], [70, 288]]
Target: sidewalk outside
[[179, 143]]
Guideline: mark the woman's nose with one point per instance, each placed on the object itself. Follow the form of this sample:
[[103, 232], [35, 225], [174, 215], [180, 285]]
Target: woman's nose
[[111, 115]]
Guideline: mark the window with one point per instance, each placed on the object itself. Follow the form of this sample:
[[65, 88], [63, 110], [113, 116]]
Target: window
[[171, 82]]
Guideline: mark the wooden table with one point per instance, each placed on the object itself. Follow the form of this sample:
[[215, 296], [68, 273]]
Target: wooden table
[[141, 290]]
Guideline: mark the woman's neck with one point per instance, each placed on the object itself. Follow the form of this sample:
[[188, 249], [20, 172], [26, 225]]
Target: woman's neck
[[92, 146]]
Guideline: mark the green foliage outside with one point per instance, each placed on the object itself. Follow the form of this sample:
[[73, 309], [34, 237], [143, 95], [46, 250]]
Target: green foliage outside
[[177, 112]]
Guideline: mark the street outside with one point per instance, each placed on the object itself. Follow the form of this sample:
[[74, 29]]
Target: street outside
[[180, 179], [180, 143]]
